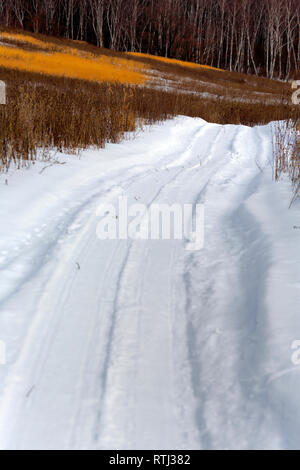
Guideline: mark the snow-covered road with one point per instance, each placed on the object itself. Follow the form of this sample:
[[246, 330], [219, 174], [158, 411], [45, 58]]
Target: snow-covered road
[[142, 344]]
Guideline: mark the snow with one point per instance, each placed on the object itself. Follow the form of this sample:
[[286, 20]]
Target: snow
[[143, 344]]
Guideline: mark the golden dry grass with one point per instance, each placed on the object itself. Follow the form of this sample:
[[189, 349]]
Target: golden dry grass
[[181, 63], [26, 52], [65, 61], [22, 38]]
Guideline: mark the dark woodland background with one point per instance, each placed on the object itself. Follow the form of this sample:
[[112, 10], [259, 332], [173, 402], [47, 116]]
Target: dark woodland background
[[253, 36]]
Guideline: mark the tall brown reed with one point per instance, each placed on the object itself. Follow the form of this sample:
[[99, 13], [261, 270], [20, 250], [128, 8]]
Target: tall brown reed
[[45, 112], [286, 153]]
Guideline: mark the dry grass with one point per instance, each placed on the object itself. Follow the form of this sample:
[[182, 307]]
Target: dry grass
[[70, 95], [286, 145], [115, 66], [51, 59], [199, 79], [166, 60]]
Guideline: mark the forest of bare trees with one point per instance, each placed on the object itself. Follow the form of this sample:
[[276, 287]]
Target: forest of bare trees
[[253, 36]]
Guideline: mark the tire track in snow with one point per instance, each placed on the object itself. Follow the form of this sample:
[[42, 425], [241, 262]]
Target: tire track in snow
[[228, 331], [104, 340], [117, 307], [55, 319], [52, 325], [219, 161]]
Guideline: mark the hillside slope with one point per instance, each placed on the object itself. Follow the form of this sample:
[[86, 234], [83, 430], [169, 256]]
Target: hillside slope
[[69, 95], [76, 59]]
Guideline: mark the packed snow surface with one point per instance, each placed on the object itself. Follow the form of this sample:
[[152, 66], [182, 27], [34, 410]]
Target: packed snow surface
[[126, 344]]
